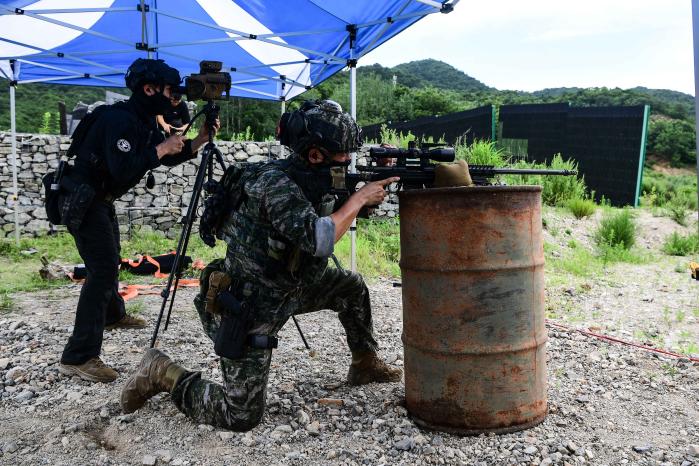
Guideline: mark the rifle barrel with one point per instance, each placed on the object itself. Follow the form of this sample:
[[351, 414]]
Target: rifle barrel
[[476, 170]]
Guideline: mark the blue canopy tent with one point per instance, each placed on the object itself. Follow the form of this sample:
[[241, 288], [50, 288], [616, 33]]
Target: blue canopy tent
[[274, 49]]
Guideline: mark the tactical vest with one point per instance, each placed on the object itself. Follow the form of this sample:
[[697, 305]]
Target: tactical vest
[[254, 247]]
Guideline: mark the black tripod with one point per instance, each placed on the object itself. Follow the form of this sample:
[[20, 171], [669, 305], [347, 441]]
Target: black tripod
[[206, 167]]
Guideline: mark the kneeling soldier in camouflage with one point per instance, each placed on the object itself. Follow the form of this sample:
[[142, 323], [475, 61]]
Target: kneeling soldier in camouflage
[[279, 241]]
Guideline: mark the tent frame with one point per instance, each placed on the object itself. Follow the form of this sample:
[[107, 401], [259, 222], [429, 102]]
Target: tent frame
[[285, 87]]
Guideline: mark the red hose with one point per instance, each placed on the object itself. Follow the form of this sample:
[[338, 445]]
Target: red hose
[[623, 342]]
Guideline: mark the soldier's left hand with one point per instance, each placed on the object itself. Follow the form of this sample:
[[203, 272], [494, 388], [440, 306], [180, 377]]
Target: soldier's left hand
[[204, 130]]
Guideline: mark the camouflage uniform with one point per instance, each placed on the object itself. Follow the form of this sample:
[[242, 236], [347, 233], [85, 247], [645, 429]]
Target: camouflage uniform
[[275, 206]]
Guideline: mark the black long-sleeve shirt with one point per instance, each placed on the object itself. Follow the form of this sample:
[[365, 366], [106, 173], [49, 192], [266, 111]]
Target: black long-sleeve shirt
[[177, 115], [120, 148]]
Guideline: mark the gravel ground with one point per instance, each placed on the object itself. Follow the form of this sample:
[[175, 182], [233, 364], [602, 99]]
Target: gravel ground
[[608, 404]]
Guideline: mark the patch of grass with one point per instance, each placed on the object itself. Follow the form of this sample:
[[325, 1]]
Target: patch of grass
[[618, 253], [581, 208], [617, 230], [680, 315], [135, 307], [669, 369], [378, 248], [689, 348], [7, 304], [23, 276], [579, 262], [678, 245], [666, 316], [19, 272]]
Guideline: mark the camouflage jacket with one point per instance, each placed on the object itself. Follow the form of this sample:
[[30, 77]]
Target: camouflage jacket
[[276, 208]]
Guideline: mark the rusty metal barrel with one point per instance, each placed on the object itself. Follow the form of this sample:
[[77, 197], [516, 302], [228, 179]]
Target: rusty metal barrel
[[472, 266]]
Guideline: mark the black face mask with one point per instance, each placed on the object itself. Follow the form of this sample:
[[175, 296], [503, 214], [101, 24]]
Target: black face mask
[[156, 104]]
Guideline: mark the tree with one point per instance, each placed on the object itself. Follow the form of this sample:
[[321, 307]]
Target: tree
[[673, 140]]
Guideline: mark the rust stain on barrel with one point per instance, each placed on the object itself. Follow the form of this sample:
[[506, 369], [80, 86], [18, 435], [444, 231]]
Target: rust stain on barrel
[[473, 308]]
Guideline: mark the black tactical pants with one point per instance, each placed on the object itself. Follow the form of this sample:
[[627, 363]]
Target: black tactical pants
[[97, 241]]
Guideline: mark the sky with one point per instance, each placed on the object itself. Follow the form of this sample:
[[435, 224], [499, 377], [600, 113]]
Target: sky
[[532, 45]]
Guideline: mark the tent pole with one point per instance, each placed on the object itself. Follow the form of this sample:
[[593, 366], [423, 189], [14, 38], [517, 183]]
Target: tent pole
[[281, 146], [13, 145], [695, 29], [353, 164]]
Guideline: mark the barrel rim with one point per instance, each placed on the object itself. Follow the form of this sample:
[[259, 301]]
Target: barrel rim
[[471, 190]]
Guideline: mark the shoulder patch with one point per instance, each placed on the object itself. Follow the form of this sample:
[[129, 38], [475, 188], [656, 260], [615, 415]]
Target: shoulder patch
[[123, 145]]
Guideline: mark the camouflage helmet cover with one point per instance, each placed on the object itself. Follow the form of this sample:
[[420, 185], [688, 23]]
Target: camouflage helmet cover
[[320, 123]]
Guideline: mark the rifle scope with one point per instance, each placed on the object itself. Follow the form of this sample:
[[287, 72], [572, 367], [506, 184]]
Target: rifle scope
[[438, 155]]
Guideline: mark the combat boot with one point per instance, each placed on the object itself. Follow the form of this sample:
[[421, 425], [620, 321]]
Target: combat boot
[[367, 367], [155, 373], [128, 321], [94, 370]]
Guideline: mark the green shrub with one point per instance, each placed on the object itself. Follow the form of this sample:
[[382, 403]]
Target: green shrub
[[616, 230], [673, 140], [676, 207], [581, 207], [555, 190], [678, 245], [481, 152], [660, 188]]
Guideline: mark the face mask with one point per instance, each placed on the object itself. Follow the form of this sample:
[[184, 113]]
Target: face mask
[[159, 103], [156, 104]]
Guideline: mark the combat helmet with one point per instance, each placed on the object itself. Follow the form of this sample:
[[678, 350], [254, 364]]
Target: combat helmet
[[148, 70], [320, 123]]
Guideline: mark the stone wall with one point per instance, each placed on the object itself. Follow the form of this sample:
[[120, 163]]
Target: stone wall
[[158, 208]]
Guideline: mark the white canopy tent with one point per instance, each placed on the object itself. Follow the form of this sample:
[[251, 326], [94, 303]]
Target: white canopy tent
[[274, 50]]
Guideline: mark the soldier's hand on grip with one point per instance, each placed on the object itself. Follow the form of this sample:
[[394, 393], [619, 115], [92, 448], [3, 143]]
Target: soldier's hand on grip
[[172, 145], [204, 130], [374, 193]]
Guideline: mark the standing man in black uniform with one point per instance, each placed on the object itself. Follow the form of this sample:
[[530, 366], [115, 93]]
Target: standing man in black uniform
[[117, 145], [176, 117]]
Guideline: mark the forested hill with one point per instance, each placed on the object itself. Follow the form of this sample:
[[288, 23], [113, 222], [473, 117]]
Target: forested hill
[[424, 73], [407, 91]]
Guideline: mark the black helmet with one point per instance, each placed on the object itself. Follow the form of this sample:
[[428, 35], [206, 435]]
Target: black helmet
[[320, 123], [150, 71]]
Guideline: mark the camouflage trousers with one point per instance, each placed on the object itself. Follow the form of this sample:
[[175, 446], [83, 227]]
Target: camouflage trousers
[[239, 403]]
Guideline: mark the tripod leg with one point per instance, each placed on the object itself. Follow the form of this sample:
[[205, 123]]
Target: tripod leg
[[182, 244], [298, 327]]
